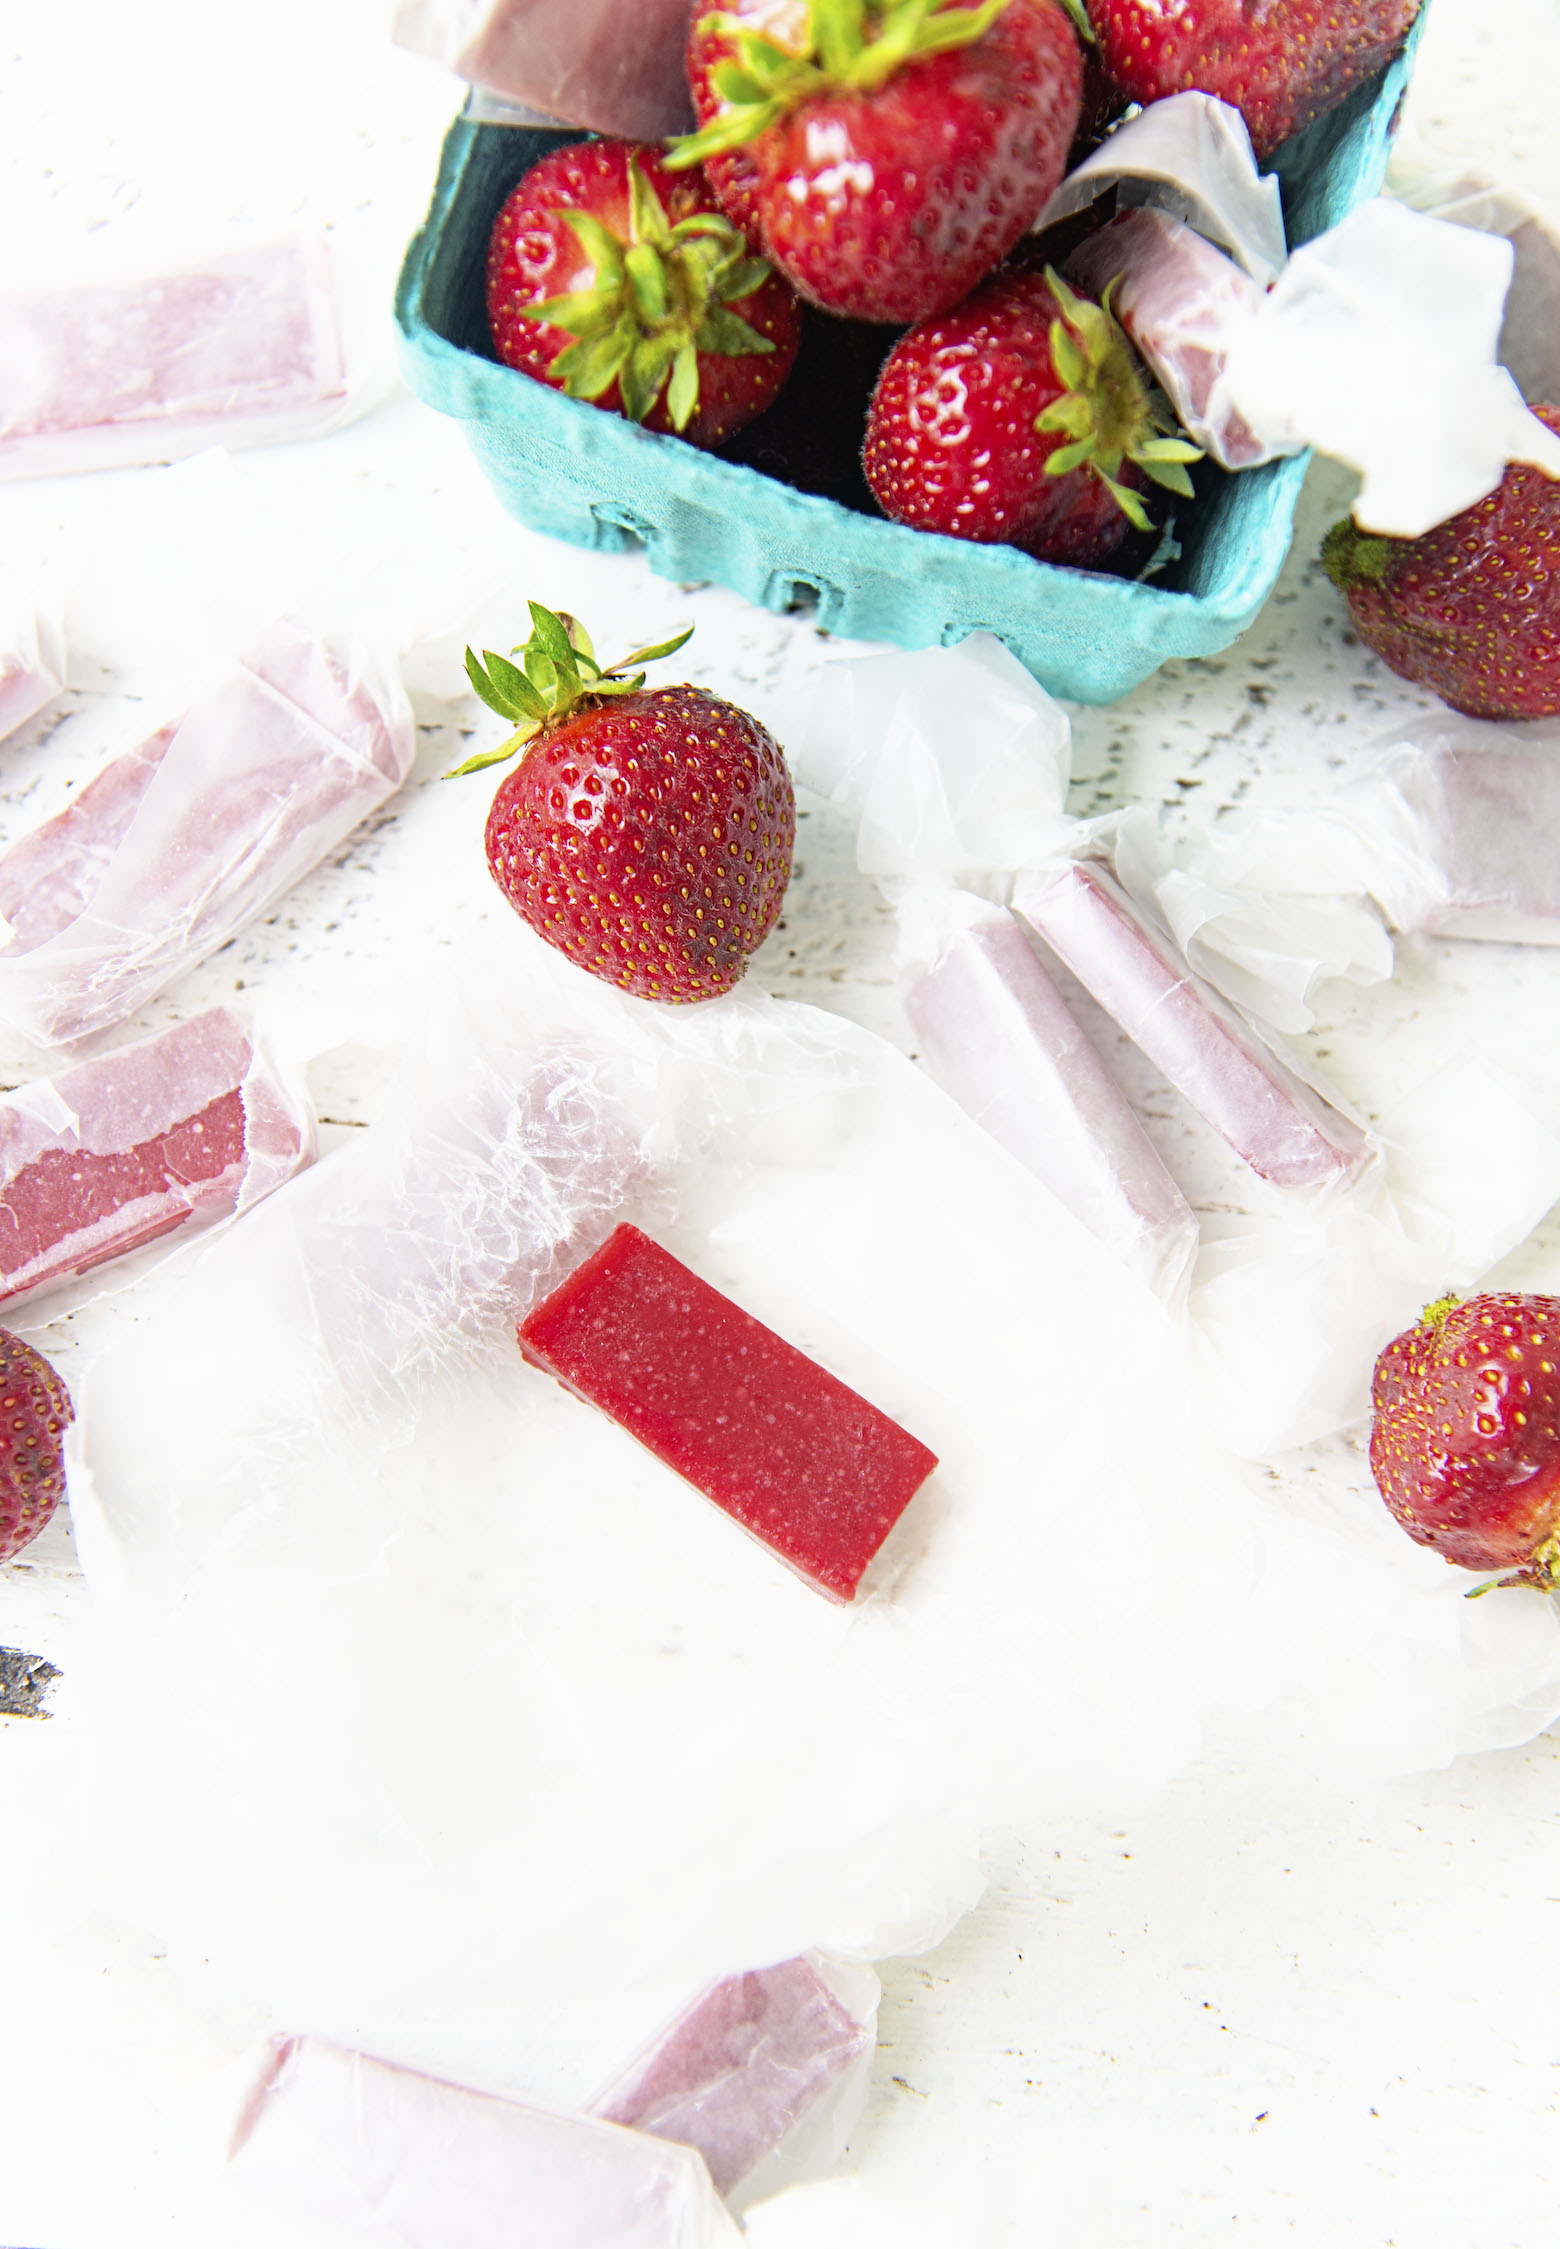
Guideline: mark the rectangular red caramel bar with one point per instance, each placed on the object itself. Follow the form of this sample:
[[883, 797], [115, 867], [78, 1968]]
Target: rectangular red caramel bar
[[790, 1453]]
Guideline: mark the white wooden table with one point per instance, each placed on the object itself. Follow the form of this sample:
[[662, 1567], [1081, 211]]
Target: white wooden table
[[1229, 2015]]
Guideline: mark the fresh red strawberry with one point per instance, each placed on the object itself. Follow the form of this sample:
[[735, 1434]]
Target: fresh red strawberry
[[1022, 416], [1281, 63], [34, 1409], [645, 833], [614, 280], [1470, 610], [1465, 1445], [898, 150]]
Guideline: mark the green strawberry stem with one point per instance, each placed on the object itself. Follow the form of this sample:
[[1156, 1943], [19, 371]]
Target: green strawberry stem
[[557, 674], [848, 46], [655, 304], [1108, 408]]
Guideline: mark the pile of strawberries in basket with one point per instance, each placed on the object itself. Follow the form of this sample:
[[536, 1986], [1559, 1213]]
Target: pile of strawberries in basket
[[886, 163]]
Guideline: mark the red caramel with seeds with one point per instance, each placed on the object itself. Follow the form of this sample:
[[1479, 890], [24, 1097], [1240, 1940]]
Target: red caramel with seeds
[[1465, 1444], [785, 1449], [650, 840]]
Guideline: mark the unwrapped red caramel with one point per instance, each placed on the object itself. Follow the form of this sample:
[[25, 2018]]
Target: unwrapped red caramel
[[805, 1465], [172, 1132]]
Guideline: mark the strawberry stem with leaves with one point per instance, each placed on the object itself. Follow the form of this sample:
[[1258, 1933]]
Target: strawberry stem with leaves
[[1108, 410], [556, 675], [848, 46], [655, 304]]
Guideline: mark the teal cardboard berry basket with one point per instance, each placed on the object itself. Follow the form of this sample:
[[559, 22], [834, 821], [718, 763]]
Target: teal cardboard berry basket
[[782, 514]]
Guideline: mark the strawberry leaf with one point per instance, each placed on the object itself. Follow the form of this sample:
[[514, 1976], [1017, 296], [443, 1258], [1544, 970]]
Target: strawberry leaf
[[1128, 502], [504, 751], [502, 687], [1070, 457], [648, 215], [727, 334], [682, 394], [599, 244], [1171, 475], [591, 366], [647, 280], [653, 655]]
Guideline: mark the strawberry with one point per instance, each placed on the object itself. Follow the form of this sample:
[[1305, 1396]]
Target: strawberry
[[1023, 415], [1470, 610], [1281, 63], [896, 151], [646, 834], [1465, 1444], [34, 1409], [614, 280]]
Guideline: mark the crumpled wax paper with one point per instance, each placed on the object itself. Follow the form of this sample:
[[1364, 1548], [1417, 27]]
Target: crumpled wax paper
[[430, 1710], [1189, 155], [1465, 194], [1377, 344]]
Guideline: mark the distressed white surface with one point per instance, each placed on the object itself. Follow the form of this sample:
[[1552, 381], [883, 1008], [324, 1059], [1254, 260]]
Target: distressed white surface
[[1224, 2015]]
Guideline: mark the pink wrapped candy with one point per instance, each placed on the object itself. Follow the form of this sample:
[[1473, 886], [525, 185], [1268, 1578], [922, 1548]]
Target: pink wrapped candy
[[1287, 1130], [172, 1132], [1178, 299], [1461, 824], [588, 62], [32, 663], [181, 841], [240, 347], [765, 2074], [403, 2161], [997, 1035]]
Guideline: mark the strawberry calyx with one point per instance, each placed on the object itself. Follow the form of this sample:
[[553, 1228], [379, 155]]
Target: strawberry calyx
[[848, 46], [1540, 1575], [657, 301], [1352, 557], [1109, 410], [1435, 1316], [556, 676]]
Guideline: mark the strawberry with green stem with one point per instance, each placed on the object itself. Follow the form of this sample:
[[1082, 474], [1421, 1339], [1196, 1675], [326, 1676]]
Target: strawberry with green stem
[[615, 281], [646, 833], [1023, 416], [888, 155]]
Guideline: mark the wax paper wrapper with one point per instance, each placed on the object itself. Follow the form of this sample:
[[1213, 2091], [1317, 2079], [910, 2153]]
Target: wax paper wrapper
[[405, 2161], [259, 343], [1448, 828], [182, 839], [433, 1713], [32, 654], [954, 760], [1466, 195], [147, 1144], [568, 59], [1190, 157], [766, 2074]]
